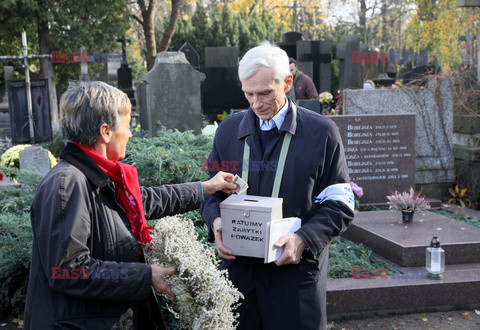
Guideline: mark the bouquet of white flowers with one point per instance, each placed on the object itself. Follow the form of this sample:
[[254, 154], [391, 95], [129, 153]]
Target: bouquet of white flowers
[[204, 296]]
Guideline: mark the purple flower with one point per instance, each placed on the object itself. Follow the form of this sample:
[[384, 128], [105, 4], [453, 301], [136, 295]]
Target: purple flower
[[357, 190]]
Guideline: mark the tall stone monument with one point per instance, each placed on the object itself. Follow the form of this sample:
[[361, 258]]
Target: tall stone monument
[[350, 70], [173, 94]]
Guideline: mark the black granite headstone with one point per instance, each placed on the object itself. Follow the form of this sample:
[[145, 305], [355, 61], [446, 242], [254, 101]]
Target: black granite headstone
[[191, 54], [221, 91], [125, 81], [380, 153], [313, 58], [289, 43], [221, 56]]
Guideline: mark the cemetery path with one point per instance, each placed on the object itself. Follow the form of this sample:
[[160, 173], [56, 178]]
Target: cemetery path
[[459, 319]]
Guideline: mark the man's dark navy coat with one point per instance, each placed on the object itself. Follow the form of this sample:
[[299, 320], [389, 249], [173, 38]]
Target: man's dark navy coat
[[291, 296]]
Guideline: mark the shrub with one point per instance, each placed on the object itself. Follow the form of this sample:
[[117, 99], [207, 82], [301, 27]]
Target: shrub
[[15, 254], [172, 157], [11, 157], [15, 241], [57, 144], [344, 255]]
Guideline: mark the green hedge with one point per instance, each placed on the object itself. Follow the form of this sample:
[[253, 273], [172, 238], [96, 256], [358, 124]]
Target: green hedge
[[172, 157], [15, 241]]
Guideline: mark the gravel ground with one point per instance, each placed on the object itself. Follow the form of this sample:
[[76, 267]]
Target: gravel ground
[[461, 319]]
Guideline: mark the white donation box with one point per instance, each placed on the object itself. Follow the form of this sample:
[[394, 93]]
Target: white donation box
[[244, 223]]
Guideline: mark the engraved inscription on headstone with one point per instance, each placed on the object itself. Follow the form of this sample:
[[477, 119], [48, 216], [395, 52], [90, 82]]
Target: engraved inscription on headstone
[[380, 153]]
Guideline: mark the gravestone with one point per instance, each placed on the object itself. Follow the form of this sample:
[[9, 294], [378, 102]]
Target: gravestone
[[350, 73], [314, 59], [125, 82], [380, 153], [313, 105], [289, 43], [109, 73], [8, 74], [83, 67], [391, 69], [191, 54], [221, 91], [467, 55], [142, 105], [405, 244], [35, 159], [5, 132], [433, 109], [383, 80], [371, 65], [221, 56], [173, 94]]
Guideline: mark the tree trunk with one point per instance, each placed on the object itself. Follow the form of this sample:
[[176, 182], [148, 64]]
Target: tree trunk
[[46, 69], [148, 14], [362, 17], [170, 30], [384, 22]]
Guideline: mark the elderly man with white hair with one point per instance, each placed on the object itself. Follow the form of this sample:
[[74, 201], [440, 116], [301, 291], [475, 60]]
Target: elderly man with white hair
[[314, 185]]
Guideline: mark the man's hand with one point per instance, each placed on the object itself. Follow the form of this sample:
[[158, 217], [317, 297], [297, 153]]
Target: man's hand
[[223, 252], [158, 281], [294, 245], [221, 181]]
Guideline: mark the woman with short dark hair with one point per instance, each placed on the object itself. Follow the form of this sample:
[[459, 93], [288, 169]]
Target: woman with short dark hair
[[89, 222]]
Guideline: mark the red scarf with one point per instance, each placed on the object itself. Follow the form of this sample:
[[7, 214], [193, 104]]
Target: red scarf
[[128, 193]]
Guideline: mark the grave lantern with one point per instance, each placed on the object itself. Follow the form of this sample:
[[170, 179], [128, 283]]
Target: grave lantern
[[435, 260]]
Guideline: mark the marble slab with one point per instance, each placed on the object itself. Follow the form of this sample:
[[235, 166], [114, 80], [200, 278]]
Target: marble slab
[[405, 244]]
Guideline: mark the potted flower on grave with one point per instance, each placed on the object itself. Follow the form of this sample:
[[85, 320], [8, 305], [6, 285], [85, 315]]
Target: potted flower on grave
[[408, 203], [326, 101]]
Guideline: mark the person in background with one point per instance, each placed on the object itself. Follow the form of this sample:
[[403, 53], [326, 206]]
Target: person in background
[[368, 84], [313, 183], [89, 222], [303, 86]]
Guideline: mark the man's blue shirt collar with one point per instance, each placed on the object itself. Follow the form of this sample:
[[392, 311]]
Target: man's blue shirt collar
[[276, 121]]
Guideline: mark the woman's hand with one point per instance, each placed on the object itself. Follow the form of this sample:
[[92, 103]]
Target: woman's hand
[[223, 252], [158, 281], [221, 181]]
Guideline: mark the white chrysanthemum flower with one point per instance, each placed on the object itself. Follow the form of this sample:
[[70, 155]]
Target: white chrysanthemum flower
[[204, 296]]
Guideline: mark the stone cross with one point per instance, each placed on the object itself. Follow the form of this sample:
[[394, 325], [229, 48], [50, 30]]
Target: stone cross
[[467, 56]]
